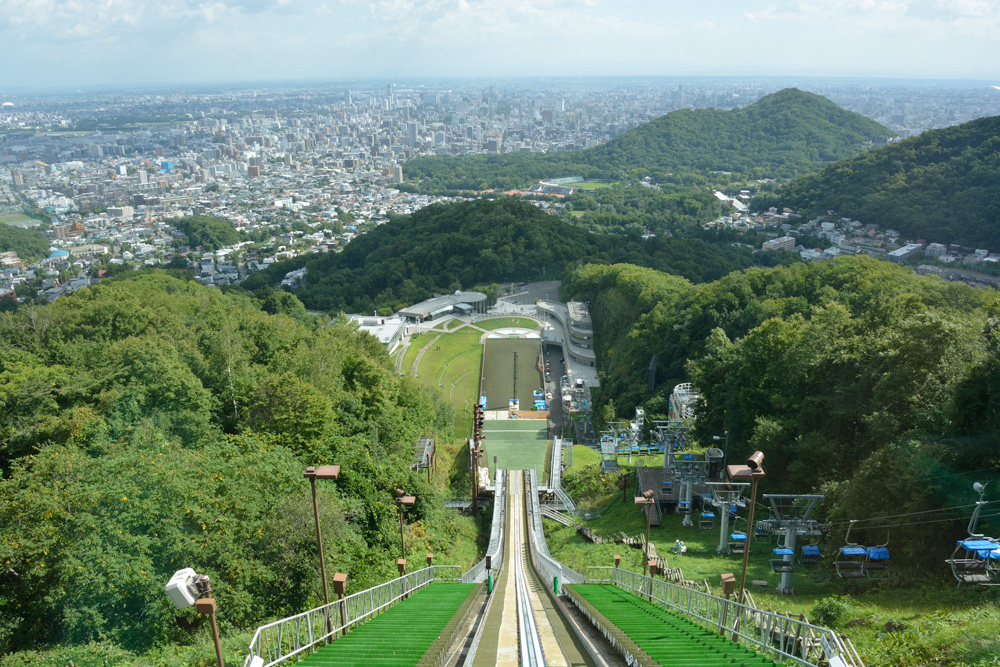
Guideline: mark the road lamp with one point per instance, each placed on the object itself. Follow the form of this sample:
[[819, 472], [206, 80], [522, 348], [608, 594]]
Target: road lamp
[[401, 501], [312, 474], [754, 471], [720, 438], [184, 589], [647, 501]]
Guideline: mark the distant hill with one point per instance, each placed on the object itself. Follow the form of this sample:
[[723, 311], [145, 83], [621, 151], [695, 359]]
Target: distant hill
[[942, 186], [442, 248], [784, 134]]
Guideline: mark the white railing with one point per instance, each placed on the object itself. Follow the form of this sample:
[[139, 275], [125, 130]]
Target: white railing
[[296, 635], [495, 548], [768, 633], [544, 563]]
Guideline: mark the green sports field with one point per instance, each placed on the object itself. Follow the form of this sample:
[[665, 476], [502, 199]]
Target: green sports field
[[518, 444]]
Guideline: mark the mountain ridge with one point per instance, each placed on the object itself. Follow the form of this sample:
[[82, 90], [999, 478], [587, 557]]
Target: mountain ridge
[[782, 134]]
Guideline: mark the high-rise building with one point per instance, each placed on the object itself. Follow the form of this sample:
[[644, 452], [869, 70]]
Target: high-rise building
[[18, 178], [411, 134], [397, 174]]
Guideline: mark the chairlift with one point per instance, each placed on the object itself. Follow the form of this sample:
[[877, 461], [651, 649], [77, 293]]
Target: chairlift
[[976, 559], [737, 543], [810, 555], [851, 558], [707, 521], [877, 561], [778, 563]]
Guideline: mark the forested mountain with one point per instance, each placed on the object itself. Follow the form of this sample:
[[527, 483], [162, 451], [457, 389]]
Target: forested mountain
[[783, 134], [855, 377], [443, 248], [149, 424], [942, 186]]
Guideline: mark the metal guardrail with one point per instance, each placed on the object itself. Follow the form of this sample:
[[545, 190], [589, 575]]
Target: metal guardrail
[[555, 478], [768, 633], [296, 635], [496, 546], [544, 563]]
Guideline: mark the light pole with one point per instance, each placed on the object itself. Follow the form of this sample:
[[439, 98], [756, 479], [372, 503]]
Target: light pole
[[312, 474], [187, 588], [724, 436], [408, 501], [754, 471], [646, 501]]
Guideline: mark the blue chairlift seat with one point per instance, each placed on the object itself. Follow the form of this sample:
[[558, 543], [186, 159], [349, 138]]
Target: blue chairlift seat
[[810, 555], [850, 563], [683, 507], [781, 560], [737, 543], [974, 561], [707, 521], [877, 563]]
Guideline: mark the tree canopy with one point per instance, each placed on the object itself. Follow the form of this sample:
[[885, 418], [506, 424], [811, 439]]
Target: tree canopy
[[855, 377], [441, 248], [150, 423], [29, 244], [208, 232], [942, 186]]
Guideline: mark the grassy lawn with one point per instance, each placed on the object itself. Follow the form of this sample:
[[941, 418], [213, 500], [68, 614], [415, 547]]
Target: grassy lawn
[[18, 220], [507, 322], [578, 214], [584, 456], [593, 185], [517, 444], [929, 621], [417, 343]]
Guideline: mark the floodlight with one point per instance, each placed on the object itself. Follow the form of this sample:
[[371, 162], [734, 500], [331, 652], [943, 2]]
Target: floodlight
[[755, 461], [183, 588], [979, 488]]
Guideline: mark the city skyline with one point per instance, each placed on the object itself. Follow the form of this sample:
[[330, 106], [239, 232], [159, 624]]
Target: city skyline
[[48, 44]]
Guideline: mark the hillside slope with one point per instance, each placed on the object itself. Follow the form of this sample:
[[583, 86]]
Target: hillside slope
[[942, 186], [442, 248], [783, 134]]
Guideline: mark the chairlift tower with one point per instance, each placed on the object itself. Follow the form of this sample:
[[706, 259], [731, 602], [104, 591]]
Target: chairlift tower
[[791, 518], [671, 435], [724, 497]]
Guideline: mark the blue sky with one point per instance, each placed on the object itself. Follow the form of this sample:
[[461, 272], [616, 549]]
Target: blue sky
[[94, 42]]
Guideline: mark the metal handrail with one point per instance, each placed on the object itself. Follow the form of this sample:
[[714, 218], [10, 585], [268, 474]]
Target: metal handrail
[[289, 637], [556, 478], [765, 632], [494, 550], [544, 563]]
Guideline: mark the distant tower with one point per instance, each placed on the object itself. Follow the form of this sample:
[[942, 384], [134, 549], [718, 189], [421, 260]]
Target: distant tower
[[388, 92], [18, 178]]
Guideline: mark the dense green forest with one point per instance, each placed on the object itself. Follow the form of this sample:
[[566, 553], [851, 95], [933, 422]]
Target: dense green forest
[[206, 231], [149, 424], [856, 377], [29, 244], [942, 186], [784, 134], [443, 248], [639, 209]]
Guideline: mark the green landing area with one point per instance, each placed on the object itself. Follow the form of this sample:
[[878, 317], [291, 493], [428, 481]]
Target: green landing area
[[518, 444], [665, 637], [400, 636]]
